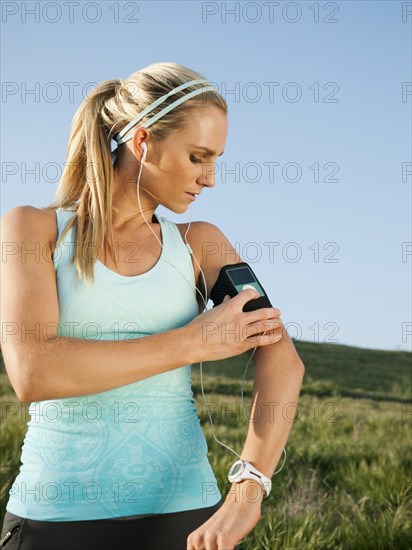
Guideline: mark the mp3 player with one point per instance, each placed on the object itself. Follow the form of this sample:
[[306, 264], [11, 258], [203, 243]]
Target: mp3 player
[[234, 278]]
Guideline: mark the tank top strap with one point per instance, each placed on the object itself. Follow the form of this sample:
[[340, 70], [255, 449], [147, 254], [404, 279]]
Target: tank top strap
[[62, 218], [176, 251], [61, 251]]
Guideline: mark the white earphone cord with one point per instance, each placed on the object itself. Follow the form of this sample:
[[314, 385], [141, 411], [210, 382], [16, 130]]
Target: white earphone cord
[[204, 301]]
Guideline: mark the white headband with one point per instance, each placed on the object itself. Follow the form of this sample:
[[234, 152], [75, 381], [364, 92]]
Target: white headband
[[119, 139]]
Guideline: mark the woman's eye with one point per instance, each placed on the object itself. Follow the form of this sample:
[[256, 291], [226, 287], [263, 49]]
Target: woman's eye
[[194, 160]]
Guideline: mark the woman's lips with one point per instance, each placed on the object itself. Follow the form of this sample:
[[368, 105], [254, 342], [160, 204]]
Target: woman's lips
[[192, 196]]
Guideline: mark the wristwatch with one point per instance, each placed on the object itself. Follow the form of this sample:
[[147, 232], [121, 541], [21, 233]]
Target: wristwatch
[[242, 469]]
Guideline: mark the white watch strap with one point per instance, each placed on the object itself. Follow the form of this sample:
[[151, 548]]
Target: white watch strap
[[250, 472]]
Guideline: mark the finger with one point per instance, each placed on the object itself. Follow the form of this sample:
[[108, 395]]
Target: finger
[[262, 327], [262, 314], [245, 296], [260, 339], [194, 542], [210, 542]]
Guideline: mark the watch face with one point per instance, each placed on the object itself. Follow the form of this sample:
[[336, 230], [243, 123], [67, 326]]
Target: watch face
[[236, 468]]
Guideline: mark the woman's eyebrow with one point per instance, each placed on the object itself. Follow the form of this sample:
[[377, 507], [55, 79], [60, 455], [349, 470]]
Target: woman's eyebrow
[[210, 153]]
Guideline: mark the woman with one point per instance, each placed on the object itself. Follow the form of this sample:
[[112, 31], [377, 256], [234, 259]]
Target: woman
[[114, 455]]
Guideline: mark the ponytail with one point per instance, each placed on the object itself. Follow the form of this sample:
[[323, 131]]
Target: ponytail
[[88, 178]]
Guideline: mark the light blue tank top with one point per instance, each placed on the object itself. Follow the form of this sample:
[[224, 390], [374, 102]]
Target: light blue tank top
[[136, 449]]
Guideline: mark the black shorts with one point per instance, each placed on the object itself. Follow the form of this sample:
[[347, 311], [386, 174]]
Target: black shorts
[[154, 532]]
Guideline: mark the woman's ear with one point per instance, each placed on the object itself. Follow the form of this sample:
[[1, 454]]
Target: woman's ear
[[141, 136]]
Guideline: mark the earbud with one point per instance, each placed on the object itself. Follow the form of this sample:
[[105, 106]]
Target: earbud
[[143, 147]]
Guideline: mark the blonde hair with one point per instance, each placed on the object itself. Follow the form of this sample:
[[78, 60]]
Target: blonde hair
[[87, 182]]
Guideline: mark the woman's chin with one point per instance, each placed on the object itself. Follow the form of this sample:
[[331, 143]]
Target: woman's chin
[[178, 209]]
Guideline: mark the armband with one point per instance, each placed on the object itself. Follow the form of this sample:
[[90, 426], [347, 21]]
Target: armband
[[232, 279]]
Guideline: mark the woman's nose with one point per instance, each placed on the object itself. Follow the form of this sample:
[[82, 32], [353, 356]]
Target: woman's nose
[[207, 176]]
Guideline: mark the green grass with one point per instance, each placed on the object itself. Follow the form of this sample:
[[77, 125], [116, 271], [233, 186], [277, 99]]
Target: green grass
[[347, 480]]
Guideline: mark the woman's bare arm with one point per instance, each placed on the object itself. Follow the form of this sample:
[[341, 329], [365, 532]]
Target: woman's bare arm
[[279, 374], [279, 370], [42, 365], [68, 367]]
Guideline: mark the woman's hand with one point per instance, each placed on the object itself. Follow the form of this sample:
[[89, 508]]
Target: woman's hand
[[237, 516], [225, 330]]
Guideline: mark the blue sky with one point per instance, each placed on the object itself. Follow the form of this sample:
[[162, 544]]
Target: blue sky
[[338, 110]]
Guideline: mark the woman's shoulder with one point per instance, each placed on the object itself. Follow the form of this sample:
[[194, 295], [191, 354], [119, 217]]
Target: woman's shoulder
[[31, 215], [212, 249], [201, 231], [44, 218], [209, 242], [27, 220]]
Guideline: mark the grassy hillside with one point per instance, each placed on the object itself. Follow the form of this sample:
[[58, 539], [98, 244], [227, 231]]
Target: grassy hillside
[[347, 479]]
